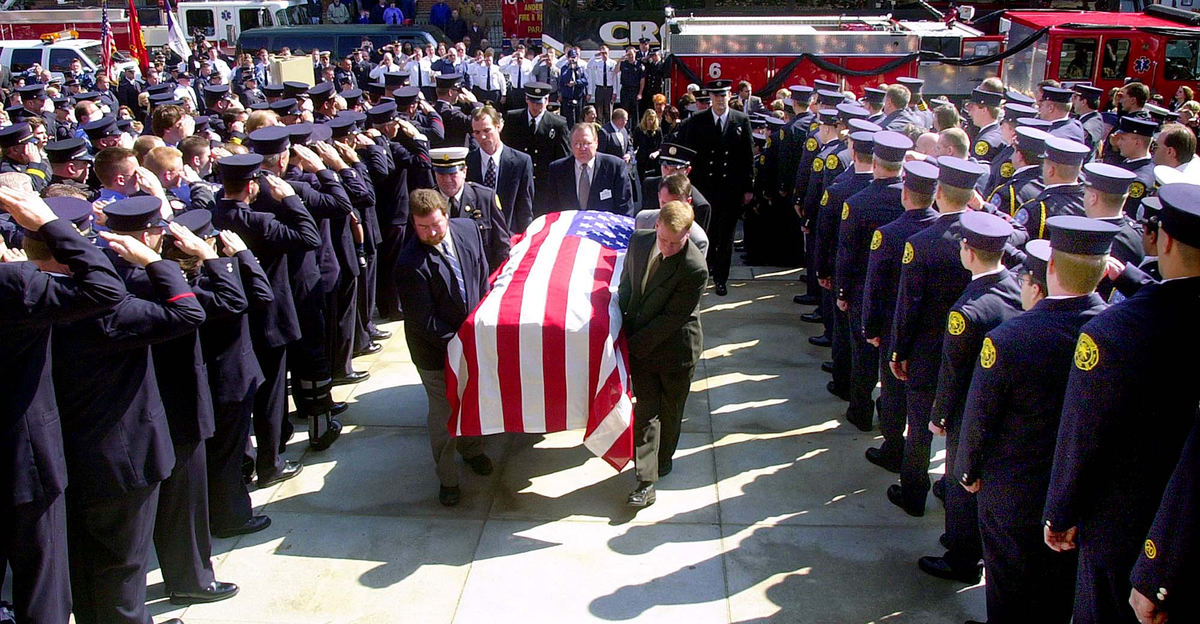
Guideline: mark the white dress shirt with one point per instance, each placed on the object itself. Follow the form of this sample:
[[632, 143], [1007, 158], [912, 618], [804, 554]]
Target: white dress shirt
[[598, 71]]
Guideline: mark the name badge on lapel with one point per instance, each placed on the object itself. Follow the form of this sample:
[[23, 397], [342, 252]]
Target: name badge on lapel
[[605, 194]]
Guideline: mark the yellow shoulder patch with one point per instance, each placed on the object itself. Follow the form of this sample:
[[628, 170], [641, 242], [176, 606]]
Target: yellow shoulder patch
[[1150, 549], [818, 165], [768, 143], [981, 148], [956, 324], [37, 173], [845, 211], [831, 162], [1137, 190], [987, 354], [908, 253], [1007, 169], [1087, 354], [811, 145], [812, 127], [825, 198], [876, 240]]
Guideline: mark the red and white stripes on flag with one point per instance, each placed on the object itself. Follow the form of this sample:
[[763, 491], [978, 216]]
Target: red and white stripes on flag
[[543, 351], [108, 44]]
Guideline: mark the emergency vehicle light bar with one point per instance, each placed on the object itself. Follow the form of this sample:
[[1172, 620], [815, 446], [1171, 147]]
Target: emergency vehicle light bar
[[61, 35]]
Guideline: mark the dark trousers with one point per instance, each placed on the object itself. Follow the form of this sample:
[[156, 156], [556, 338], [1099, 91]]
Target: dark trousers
[[893, 400], [35, 545], [810, 273], [488, 97], [110, 542], [572, 110], [604, 102], [629, 102], [962, 511], [228, 499], [181, 533], [839, 324], [827, 308], [914, 471], [270, 409], [386, 296], [722, 227], [1026, 581], [864, 371], [365, 302], [1102, 580], [657, 416], [341, 312]]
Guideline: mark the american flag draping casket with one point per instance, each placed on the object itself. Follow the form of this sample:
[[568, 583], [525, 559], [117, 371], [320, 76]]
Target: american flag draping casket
[[542, 352]]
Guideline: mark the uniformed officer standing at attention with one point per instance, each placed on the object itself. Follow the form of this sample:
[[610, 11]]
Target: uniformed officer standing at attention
[[1062, 193], [879, 303], [1104, 194], [723, 171], [453, 105], [1000, 168], [1055, 107], [1110, 465], [68, 278], [872, 99], [70, 163], [21, 154], [822, 217], [469, 200], [794, 134], [931, 280], [33, 101], [984, 111], [991, 298], [1011, 419], [1131, 139], [821, 131], [921, 115], [861, 214], [542, 135], [631, 75], [1025, 172], [1085, 104]]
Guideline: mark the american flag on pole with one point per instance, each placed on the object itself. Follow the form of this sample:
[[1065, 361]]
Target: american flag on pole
[[543, 351], [108, 44]]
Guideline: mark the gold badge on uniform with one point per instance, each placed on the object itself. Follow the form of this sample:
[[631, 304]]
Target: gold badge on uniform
[[825, 198], [1007, 169], [876, 240], [1150, 549], [981, 148], [956, 325], [845, 211], [831, 162], [1087, 354], [811, 145], [987, 354], [818, 165], [908, 253], [1137, 190]]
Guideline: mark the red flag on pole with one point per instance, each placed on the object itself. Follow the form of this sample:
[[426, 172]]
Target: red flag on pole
[[137, 43]]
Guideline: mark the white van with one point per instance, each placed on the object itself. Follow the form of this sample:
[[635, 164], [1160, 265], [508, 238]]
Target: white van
[[55, 53], [221, 21]]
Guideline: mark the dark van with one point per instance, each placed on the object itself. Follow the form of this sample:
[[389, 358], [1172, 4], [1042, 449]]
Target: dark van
[[341, 39]]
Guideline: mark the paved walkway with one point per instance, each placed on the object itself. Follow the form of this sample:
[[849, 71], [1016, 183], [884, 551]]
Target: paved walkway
[[771, 513]]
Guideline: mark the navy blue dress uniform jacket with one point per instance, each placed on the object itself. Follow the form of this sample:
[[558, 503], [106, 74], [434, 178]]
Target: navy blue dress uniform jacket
[[433, 310], [723, 167], [544, 145], [829, 218], [33, 467], [814, 190], [610, 190], [861, 214], [1144, 185], [455, 123], [480, 204], [411, 168], [1052, 201], [988, 143], [1021, 187], [233, 371], [1001, 168], [882, 280], [514, 185], [325, 198], [1068, 128], [115, 432], [375, 163]]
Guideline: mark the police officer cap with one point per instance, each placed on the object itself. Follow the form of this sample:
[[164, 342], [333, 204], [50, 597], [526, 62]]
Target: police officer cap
[[863, 142], [913, 84], [862, 125], [717, 87], [1017, 97], [828, 116], [215, 93], [67, 150], [378, 89], [16, 134], [286, 107], [199, 221], [352, 96], [1108, 178], [1056, 94], [126, 125], [320, 92], [984, 231], [1033, 122], [987, 98], [772, 120], [272, 90], [294, 89], [1065, 151], [270, 140], [248, 76], [240, 167], [1031, 140], [134, 213], [537, 90], [161, 87], [320, 133], [70, 83], [101, 128], [891, 146], [758, 121], [1014, 111], [704, 97], [920, 177], [396, 79], [1088, 92], [1081, 235], [873, 95], [32, 92], [1149, 208], [1136, 125], [355, 116], [801, 93], [160, 99], [17, 111], [825, 85], [257, 106], [830, 98], [382, 113], [62, 102], [451, 81], [1180, 214], [1037, 258], [674, 154], [644, 40], [202, 123], [340, 126], [959, 173], [77, 211], [847, 112], [1159, 114], [298, 134], [448, 159], [405, 96]]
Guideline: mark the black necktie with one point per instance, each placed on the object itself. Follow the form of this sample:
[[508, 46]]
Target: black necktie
[[453, 207], [489, 178]]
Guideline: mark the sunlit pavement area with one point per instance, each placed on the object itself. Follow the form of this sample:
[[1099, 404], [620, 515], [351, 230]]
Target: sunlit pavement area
[[770, 515]]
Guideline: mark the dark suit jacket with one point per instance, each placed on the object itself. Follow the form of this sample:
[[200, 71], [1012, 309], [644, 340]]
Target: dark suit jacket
[[432, 310], [662, 322], [546, 145], [514, 185], [478, 203], [610, 176]]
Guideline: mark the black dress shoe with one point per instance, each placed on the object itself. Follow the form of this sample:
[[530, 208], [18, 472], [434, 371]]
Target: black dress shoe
[[827, 367], [290, 469], [806, 299], [721, 290], [380, 335], [449, 496], [868, 425], [837, 392], [339, 407], [812, 317], [939, 567], [370, 349], [895, 494], [642, 495], [333, 430], [253, 525], [351, 378], [820, 341], [215, 591], [939, 490], [480, 464], [879, 458]]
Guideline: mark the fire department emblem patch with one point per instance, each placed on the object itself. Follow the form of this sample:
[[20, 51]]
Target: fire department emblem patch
[[956, 324], [831, 162], [1006, 170], [825, 198], [818, 165], [1087, 354], [981, 148], [811, 145], [876, 240], [908, 253], [987, 354], [845, 211], [1137, 190]]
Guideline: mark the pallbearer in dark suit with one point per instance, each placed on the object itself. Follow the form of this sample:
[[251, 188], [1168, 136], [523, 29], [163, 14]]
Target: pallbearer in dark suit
[[1110, 465], [587, 180], [1011, 417], [931, 280], [469, 200], [540, 134], [723, 171], [34, 471], [442, 276], [507, 171], [115, 432], [991, 298], [659, 296]]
